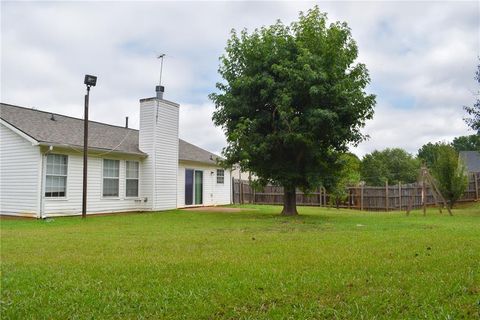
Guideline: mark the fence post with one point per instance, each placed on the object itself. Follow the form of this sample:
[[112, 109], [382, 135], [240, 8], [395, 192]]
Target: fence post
[[233, 189], [349, 198], [253, 191], [361, 197], [400, 195], [319, 197], [411, 199], [241, 192], [386, 195], [424, 192], [357, 196], [416, 191], [324, 197], [475, 179]]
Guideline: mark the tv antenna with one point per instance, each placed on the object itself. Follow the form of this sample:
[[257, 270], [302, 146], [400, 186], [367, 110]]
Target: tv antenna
[[161, 56]]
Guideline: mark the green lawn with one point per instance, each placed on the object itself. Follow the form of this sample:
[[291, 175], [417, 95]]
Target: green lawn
[[254, 264]]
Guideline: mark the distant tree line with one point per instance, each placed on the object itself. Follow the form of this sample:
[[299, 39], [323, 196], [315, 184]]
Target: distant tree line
[[395, 165]]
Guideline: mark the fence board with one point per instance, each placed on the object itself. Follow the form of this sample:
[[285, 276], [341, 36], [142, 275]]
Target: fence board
[[389, 197]]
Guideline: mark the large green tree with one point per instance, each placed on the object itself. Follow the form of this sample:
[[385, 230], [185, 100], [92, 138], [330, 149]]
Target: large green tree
[[428, 152], [449, 173], [292, 99], [391, 165], [467, 143]]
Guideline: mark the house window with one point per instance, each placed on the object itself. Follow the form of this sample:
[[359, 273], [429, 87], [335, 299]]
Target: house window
[[111, 173], [220, 176], [132, 179], [56, 176]]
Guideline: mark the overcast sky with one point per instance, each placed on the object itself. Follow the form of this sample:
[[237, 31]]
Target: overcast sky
[[421, 56]]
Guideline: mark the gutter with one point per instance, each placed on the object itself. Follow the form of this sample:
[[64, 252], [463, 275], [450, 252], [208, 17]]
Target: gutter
[[99, 150]]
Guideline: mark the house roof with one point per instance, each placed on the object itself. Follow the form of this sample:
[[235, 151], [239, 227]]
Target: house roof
[[51, 128], [471, 159], [190, 152]]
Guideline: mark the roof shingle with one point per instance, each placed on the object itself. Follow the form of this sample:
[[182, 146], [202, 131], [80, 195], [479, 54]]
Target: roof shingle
[[47, 127]]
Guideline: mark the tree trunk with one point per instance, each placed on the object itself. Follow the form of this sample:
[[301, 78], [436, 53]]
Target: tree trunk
[[289, 202]]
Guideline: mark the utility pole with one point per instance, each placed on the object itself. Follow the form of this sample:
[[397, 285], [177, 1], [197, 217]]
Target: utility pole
[[89, 81]]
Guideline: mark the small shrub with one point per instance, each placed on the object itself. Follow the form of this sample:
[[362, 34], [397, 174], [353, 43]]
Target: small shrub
[[449, 173]]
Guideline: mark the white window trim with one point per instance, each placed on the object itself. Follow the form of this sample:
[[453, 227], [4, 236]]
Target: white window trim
[[60, 198], [217, 176], [138, 179], [119, 176]]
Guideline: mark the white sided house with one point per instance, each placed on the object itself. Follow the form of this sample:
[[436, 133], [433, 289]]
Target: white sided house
[[151, 169]]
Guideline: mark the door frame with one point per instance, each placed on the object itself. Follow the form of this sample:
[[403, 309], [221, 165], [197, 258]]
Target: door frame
[[193, 187]]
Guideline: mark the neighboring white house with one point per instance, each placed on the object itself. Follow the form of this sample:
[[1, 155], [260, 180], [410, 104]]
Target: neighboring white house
[[128, 170], [238, 173]]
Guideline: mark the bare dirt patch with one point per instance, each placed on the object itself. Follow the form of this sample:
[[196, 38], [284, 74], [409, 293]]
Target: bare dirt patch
[[214, 209]]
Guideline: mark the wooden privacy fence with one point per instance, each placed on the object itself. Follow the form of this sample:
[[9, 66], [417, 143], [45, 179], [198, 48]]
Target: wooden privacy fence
[[389, 197]]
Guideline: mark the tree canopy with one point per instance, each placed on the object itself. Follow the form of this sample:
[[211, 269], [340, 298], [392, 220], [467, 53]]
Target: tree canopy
[[392, 165], [428, 152], [467, 143], [292, 99]]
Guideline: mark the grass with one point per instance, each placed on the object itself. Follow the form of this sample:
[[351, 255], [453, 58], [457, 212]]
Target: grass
[[253, 264]]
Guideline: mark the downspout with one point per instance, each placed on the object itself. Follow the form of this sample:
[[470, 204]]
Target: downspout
[[176, 171], [213, 178]]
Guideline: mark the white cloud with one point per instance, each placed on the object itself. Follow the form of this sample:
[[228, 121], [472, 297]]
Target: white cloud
[[196, 125], [410, 129], [421, 57]]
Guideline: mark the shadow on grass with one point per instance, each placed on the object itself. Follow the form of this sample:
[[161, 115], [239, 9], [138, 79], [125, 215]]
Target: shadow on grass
[[266, 214]]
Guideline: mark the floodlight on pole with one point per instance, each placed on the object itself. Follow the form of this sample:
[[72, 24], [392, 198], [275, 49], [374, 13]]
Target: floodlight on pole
[[89, 81]]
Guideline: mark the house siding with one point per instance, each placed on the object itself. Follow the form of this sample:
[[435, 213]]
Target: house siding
[[213, 193], [20, 164], [146, 140], [161, 175], [159, 139], [71, 204]]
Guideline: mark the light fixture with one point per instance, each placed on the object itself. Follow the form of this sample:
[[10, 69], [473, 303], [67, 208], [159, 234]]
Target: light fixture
[[90, 80]]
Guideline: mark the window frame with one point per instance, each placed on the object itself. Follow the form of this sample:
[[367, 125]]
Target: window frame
[[222, 176], [56, 175], [110, 178], [137, 178]]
